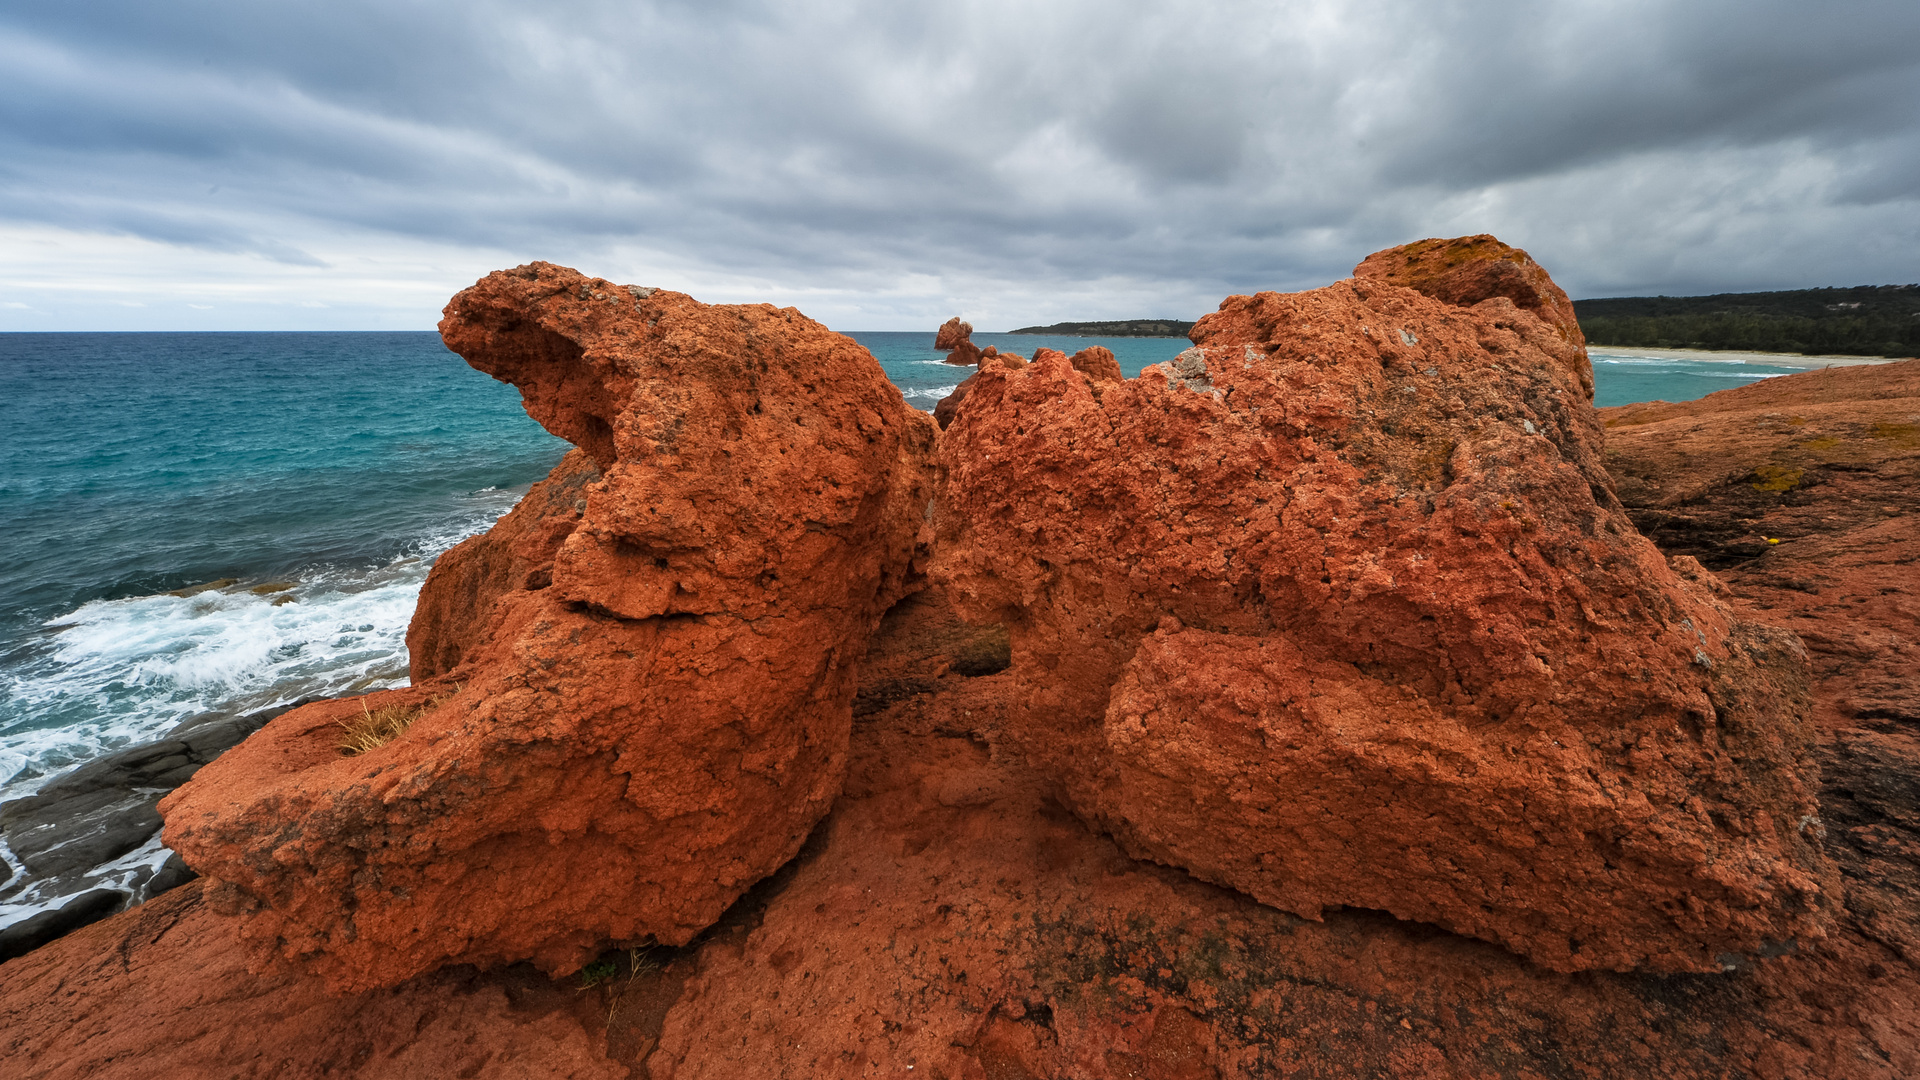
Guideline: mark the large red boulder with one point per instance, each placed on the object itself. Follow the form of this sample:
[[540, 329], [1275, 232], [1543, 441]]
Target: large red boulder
[[643, 685], [1338, 608]]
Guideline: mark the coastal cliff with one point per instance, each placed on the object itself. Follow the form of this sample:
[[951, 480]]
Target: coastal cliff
[[1173, 761]]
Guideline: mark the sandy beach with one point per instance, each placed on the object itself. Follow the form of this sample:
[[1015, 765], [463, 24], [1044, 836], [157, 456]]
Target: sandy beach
[[1710, 356]]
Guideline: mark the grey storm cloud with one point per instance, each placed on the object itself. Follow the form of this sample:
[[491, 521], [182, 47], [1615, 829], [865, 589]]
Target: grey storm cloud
[[1190, 149]]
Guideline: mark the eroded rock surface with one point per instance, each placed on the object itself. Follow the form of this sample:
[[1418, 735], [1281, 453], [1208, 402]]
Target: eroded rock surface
[[1338, 609], [951, 918], [516, 555], [950, 915], [625, 741], [1468, 269], [1804, 492], [954, 334], [166, 990], [1096, 362]]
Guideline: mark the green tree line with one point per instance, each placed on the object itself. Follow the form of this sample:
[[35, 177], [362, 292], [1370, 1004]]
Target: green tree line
[[1879, 320]]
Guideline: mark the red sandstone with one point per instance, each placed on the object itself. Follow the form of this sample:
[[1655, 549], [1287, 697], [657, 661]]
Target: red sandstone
[[625, 741], [950, 919], [1469, 269], [516, 555], [1410, 654]]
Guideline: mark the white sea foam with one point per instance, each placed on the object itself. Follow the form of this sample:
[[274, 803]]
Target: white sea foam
[[117, 672], [932, 391], [128, 874]]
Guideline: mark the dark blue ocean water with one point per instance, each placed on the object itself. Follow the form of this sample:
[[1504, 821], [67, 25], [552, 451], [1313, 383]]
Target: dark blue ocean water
[[322, 472]]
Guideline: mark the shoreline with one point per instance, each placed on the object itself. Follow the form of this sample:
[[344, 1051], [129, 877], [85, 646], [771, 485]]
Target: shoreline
[[1717, 356]]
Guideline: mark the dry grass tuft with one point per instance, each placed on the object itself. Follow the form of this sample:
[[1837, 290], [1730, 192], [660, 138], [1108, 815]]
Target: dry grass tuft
[[362, 733], [378, 727]]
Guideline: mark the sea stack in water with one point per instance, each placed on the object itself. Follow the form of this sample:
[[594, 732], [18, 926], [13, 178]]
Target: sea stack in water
[[1339, 608], [636, 698], [1096, 362]]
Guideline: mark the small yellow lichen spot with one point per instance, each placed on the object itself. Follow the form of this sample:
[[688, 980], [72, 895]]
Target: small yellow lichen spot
[[1773, 539]]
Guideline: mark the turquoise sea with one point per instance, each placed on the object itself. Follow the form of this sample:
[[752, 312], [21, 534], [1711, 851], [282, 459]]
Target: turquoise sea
[[320, 472]]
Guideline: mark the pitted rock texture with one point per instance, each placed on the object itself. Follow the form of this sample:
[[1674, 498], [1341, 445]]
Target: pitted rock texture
[[514, 556], [960, 920], [1468, 269], [1096, 362], [166, 991], [950, 916], [1338, 609], [955, 338], [638, 734], [1804, 493]]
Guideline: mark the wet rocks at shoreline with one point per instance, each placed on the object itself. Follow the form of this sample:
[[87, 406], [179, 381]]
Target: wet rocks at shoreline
[[66, 834]]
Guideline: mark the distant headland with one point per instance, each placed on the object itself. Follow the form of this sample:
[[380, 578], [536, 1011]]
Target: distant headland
[[1870, 320], [1122, 328]]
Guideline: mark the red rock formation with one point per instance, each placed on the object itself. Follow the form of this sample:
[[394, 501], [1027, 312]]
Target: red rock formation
[[955, 339], [1804, 492], [166, 991], [1096, 361], [513, 556], [948, 915], [1468, 269], [1410, 655], [626, 749], [949, 918], [952, 334]]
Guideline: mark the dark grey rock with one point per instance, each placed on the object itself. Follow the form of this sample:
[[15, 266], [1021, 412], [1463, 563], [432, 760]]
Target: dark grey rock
[[74, 833], [107, 808], [192, 722], [158, 766], [23, 937], [172, 874]]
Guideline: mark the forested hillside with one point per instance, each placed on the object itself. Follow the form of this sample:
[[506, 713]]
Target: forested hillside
[[1869, 320], [1122, 328]]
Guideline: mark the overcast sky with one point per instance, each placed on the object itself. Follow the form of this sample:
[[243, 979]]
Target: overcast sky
[[222, 164]]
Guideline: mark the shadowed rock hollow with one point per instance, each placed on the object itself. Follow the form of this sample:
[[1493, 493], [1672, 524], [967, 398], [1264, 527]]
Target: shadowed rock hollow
[[636, 691]]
